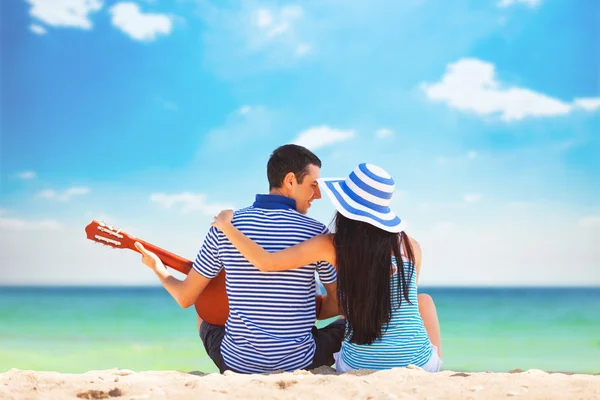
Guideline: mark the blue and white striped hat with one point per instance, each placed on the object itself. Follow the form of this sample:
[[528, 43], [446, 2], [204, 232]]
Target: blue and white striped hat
[[365, 195]]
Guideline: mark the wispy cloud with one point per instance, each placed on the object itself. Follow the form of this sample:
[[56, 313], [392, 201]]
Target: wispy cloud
[[37, 29], [472, 197], [277, 28], [65, 13], [590, 221], [471, 85], [138, 25], [27, 175], [321, 136], [188, 202], [20, 224], [529, 3], [63, 196], [303, 49], [245, 37], [245, 110], [384, 133], [273, 23], [589, 104]]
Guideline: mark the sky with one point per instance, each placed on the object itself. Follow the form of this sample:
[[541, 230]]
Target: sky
[[154, 115]]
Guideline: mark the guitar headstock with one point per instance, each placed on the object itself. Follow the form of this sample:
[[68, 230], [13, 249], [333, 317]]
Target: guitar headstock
[[108, 235]]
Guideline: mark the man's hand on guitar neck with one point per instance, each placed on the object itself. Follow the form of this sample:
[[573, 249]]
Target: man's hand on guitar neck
[[150, 259]]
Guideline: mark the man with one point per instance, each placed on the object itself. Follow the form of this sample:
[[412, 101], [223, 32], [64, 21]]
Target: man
[[271, 315]]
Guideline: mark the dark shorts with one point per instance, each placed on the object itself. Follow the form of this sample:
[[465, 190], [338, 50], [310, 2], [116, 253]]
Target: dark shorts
[[328, 340]]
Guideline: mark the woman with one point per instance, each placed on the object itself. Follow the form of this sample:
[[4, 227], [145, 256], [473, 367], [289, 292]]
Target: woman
[[387, 324]]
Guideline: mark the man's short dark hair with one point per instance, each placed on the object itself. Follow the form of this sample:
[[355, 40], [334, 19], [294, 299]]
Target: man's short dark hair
[[289, 158]]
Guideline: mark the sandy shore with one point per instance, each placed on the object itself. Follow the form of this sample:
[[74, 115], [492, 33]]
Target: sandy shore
[[404, 383]]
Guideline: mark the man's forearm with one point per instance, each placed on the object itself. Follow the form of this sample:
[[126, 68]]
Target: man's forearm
[[174, 286]]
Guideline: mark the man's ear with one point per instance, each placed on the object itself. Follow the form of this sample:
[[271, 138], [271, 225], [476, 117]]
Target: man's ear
[[289, 180]]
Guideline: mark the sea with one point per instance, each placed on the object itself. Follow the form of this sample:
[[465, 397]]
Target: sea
[[78, 329]]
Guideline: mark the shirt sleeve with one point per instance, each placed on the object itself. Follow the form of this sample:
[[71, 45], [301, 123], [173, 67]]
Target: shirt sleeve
[[207, 262], [326, 271]]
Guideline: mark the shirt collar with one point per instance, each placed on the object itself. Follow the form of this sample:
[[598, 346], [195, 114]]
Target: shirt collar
[[274, 201]]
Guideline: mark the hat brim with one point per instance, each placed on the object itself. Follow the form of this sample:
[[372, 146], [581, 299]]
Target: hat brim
[[387, 220]]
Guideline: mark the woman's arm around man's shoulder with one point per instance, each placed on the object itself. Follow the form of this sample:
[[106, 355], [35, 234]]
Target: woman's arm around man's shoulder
[[318, 248]]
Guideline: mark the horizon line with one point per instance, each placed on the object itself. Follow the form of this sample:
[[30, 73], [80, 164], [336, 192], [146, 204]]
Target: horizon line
[[480, 286]]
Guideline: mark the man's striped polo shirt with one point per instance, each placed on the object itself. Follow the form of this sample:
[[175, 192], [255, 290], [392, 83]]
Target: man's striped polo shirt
[[271, 314]]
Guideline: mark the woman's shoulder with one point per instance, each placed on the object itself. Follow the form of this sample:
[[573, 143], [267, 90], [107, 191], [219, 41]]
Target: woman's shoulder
[[406, 240], [416, 247]]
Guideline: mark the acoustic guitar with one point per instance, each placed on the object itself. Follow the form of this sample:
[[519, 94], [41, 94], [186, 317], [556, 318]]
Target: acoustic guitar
[[212, 305]]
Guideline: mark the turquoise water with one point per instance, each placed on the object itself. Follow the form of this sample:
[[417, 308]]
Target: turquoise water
[[81, 329]]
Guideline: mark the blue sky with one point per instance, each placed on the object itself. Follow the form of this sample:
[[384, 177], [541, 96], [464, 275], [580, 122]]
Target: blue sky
[[154, 115]]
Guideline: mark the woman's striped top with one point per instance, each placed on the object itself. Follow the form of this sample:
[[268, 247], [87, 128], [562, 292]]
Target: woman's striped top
[[404, 340]]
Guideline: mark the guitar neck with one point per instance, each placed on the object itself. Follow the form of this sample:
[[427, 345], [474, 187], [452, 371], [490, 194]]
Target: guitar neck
[[169, 259]]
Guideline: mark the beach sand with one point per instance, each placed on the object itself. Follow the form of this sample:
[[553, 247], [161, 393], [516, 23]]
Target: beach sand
[[400, 383]]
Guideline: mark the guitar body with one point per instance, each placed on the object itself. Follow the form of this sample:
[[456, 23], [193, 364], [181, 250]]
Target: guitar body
[[212, 305]]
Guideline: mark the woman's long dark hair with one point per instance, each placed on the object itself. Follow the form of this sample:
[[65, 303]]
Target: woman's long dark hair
[[363, 259]]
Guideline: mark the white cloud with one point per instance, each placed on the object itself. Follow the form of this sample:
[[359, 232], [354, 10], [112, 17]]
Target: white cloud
[[27, 175], [471, 85], [263, 18], [3, 211], [20, 224], [64, 196], [529, 3], [590, 221], [471, 154], [276, 23], [472, 197], [243, 37], [320, 136], [277, 27], [384, 133], [139, 26], [64, 13], [303, 49], [37, 29], [188, 202], [245, 110], [588, 104]]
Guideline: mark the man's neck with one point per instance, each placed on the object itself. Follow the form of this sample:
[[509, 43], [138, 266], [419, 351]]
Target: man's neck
[[278, 192]]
